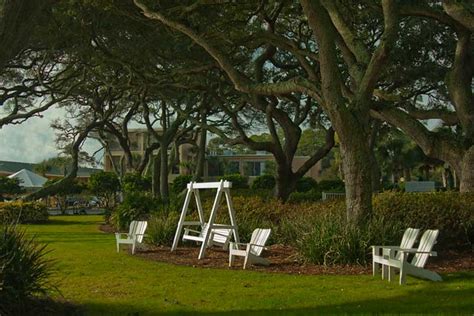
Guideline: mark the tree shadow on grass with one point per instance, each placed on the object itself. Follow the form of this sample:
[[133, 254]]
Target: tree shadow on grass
[[430, 299]]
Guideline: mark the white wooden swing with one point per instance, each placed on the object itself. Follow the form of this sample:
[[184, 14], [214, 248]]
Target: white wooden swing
[[210, 233]]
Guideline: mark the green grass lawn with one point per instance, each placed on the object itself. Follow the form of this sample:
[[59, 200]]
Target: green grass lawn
[[91, 275]]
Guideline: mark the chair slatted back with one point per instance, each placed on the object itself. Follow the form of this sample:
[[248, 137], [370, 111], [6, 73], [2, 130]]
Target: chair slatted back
[[204, 229], [408, 239], [427, 241], [139, 229], [259, 237], [220, 234], [132, 228]]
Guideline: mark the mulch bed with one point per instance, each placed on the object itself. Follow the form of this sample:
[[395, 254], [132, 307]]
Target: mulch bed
[[285, 259]]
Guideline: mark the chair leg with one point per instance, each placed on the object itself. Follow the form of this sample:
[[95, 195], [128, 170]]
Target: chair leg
[[118, 246], [231, 259], [246, 261], [375, 268], [133, 248], [391, 273], [384, 272]]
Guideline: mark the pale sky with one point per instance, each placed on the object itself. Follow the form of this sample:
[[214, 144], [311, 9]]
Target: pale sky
[[33, 140]]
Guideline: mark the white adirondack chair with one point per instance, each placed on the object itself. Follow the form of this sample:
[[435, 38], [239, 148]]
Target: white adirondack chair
[[219, 236], [378, 259], [134, 236], [251, 251], [397, 259]]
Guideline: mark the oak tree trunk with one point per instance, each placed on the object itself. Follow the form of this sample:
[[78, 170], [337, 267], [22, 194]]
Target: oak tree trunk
[[356, 157], [467, 171], [285, 182], [155, 179], [201, 156], [164, 189]]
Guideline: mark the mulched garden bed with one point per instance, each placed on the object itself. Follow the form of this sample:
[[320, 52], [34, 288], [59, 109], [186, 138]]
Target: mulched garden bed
[[285, 259]]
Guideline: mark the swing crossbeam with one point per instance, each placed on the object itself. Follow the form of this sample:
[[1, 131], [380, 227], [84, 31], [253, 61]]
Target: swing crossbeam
[[210, 233]]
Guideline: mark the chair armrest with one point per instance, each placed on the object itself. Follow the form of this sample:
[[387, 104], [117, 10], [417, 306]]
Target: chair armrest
[[431, 253], [249, 246], [120, 234], [236, 245], [188, 230]]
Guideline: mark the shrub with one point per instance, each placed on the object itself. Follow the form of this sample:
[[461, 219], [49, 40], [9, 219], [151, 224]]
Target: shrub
[[135, 206], [180, 183], [9, 187], [331, 186], [238, 181], [308, 196], [306, 184], [264, 182], [162, 227], [24, 270], [23, 212], [105, 185], [450, 212], [133, 182], [324, 237]]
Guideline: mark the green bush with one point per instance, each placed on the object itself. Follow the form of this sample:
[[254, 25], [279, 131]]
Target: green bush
[[319, 231], [308, 196], [133, 182], [180, 183], [238, 181], [23, 212], [24, 270], [265, 181], [450, 212], [306, 184], [331, 186], [162, 227], [324, 237], [135, 206]]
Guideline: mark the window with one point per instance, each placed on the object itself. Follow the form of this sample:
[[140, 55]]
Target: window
[[233, 167], [254, 168]]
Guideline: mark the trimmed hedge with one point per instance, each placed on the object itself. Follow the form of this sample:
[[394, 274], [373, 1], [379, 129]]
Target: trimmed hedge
[[306, 184], [180, 183], [23, 212], [238, 181], [265, 181], [320, 232]]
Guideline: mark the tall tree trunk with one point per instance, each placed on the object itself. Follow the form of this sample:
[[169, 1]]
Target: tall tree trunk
[[201, 156], [155, 179], [356, 157], [467, 171], [164, 188], [285, 181]]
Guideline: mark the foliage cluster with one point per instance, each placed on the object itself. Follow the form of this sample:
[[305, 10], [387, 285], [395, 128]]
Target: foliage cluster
[[9, 186], [320, 232], [162, 227], [135, 206], [265, 181], [238, 181], [23, 212], [24, 270], [306, 184], [180, 182], [134, 182]]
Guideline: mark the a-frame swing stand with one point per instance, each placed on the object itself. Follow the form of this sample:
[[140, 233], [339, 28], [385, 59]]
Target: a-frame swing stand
[[223, 187]]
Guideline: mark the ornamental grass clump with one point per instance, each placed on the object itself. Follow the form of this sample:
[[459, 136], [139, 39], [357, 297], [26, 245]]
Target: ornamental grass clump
[[162, 227], [25, 271]]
